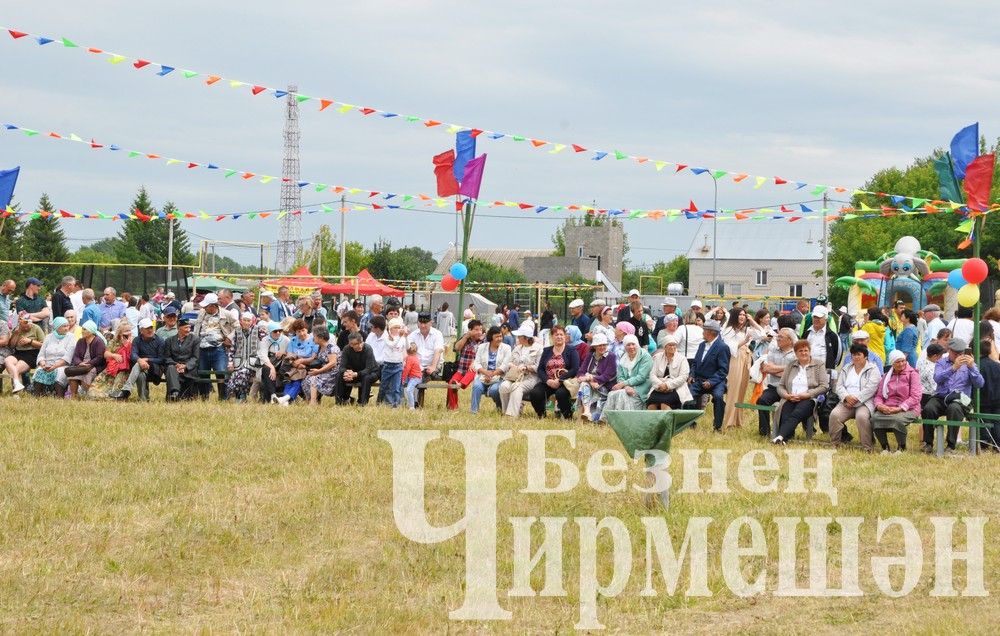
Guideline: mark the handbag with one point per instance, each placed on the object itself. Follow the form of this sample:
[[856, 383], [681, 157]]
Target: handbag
[[76, 370], [572, 385], [514, 374]]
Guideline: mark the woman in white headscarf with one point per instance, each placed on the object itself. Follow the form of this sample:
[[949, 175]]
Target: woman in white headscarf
[[55, 354], [630, 391], [897, 401]]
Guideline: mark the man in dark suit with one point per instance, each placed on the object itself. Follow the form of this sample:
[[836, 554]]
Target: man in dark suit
[[711, 366]]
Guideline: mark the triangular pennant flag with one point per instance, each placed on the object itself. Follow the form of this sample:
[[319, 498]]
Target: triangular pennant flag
[[699, 170], [718, 174], [140, 63], [190, 74], [659, 165], [165, 70], [557, 148], [740, 177], [302, 98], [599, 155], [324, 103], [779, 181], [257, 90], [116, 59], [16, 34], [620, 155], [43, 41], [212, 79], [760, 181], [577, 148], [68, 44], [680, 167]]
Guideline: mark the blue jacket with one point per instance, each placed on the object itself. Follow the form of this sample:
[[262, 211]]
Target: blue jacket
[[153, 350], [571, 360], [713, 364]]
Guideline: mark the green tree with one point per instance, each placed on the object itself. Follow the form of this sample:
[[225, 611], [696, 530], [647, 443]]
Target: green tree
[[587, 220], [407, 263], [326, 245], [481, 271], [867, 239], [45, 241], [676, 271], [11, 248], [146, 241]]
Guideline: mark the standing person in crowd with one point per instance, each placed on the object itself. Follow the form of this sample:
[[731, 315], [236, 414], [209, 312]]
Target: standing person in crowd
[[169, 326], [529, 321], [558, 363], [322, 378], [131, 314], [376, 329], [6, 299], [466, 348], [112, 310], [393, 355], [410, 318], [490, 366], [738, 334], [375, 306], [146, 308], [430, 346], [634, 313], [801, 383], [932, 314], [513, 317], [497, 319], [578, 316], [779, 355], [60, 297], [669, 309], [896, 317], [357, 367], [845, 329], [445, 322], [522, 374], [88, 359], [856, 386], [863, 338], [181, 360], [348, 325], [669, 378], [412, 374], [825, 342], [32, 302], [907, 339], [272, 351], [575, 340], [147, 359], [244, 362], [226, 303], [689, 336], [989, 398], [301, 352], [992, 316], [23, 343], [633, 381], [545, 323], [799, 313], [710, 370], [246, 302], [897, 402], [597, 307], [318, 308], [597, 375], [962, 326], [281, 307], [214, 329], [55, 354], [956, 376]]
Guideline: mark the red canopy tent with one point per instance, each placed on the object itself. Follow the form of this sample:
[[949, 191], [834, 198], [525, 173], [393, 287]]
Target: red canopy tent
[[364, 284], [305, 285]]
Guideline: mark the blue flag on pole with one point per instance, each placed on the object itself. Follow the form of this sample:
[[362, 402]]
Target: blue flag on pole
[[964, 148], [8, 179], [465, 151]]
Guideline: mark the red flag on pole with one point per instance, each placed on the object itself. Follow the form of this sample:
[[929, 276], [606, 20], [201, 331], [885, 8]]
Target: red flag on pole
[[444, 170], [978, 181]]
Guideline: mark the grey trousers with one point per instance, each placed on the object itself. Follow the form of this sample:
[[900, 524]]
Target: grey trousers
[[861, 415]]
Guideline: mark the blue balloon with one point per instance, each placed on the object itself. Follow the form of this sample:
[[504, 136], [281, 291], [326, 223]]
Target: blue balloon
[[459, 271], [955, 279]]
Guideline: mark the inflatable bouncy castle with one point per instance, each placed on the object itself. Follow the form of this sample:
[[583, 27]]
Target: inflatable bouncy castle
[[907, 273]]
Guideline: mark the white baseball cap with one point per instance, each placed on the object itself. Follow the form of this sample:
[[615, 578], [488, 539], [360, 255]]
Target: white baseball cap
[[577, 302], [145, 323], [598, 340], [860, 335], [670, 300], [526, 331], [820, 311], [696, 303], [634, 292], [210, 299]]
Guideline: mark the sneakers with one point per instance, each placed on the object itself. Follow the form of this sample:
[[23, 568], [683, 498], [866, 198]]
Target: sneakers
[[18, 387], [283, 400], [778, 440], [885, 451], [274, 399], [122, 395]]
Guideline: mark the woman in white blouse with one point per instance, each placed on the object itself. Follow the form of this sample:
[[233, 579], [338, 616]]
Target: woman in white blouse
[[491, 363], [740, 331], [56, 353], [669, 375], [856, 386], [689, 336], [522, 372]]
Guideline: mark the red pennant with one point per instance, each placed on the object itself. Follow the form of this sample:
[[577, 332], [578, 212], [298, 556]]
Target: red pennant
[[978, 181], [56, 135], [444, 171], [16, 34], [458, 205], [192, 165], [779, 181], [786, 210], [339, 189], [140, 63], [248, 175], [152, 156], [212, 79], [220, 217], [794, 219], [525, 206], [376, 207], [475, 132], [373, 193], [257, 90], [367, 111], [142, 217], [93, 50], [323, 103], [430, 123], [692, 207], [64, 214], [579, 148], [190, 215], [95, 145], [680, 167]]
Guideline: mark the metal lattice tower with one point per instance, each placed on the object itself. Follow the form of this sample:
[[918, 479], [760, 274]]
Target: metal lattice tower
[[290, 240]]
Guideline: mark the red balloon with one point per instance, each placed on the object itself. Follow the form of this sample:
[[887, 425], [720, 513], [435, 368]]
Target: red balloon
[[448, 283], [975, 270]]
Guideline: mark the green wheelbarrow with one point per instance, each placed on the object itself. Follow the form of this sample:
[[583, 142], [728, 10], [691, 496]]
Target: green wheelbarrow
[[641, 431]]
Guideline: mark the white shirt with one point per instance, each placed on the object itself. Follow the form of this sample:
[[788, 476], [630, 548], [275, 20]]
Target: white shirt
[[378, 346], [930, 334], [852, 381], [393, 350], [77, 299], [688, 339], [800, 383], [962, 328], [427, 346], [817, 342]]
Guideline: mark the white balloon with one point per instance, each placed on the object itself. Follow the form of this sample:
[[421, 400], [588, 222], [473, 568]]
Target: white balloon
[[908, 245]]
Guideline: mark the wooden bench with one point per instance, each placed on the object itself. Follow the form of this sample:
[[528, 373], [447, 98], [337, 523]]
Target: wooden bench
[[432, 384]]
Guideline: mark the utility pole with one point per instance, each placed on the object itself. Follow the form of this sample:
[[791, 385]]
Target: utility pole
[[826, 251], [170, 250], [715, 237], [343, 237], [213, 258]]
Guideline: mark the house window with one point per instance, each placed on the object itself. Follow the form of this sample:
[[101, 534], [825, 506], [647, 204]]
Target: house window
[[735, 289], [795, 290], [761, 277], [718, 290]]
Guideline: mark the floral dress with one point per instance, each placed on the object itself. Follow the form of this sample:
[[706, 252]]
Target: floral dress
[[325, 383], [112, 379]]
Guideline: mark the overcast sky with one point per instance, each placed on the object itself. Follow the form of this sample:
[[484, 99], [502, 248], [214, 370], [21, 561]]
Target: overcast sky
[[811, 91]]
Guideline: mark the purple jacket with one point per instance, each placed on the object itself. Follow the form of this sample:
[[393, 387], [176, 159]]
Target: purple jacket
[[904, 390], [97, 349], [606, 373]]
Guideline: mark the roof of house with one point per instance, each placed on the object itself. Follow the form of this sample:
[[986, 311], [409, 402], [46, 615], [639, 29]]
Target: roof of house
[[760, 240], [513, 259]]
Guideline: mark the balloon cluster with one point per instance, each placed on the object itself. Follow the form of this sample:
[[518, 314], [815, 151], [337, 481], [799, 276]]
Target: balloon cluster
[[455, 275], [966, 280]]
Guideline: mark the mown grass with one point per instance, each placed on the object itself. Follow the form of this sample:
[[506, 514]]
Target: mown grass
[[245, 518]]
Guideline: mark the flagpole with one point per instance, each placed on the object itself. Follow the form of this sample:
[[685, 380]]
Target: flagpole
[[469, 211], [978, 225]]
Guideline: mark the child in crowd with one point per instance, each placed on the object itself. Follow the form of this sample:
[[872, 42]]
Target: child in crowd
[[394, 352], [302, 351], [412, 375]]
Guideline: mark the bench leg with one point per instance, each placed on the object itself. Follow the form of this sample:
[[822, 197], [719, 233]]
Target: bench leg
[[973, 438], [939, 441]]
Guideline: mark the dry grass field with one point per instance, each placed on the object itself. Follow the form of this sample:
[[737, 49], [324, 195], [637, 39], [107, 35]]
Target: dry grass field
[[244, 518]]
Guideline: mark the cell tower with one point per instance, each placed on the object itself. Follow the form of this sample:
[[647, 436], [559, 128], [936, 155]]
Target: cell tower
[[290, 241]]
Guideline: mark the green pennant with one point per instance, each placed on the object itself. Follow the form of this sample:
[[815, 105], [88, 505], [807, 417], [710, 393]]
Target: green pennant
[[517, 137], [965, 226], [620, 155], [918, 203], [230, 173], [190, 74], [718, 174], [558, 208], [327, 208], [29, 132], [409, 206], [251, 215], [412, 118], [36, 215], [848, 217], [320, 187], [282, 214], [634, 213], [133, 153], [818, 190], [69, 43], [407, 197], [302, 98]]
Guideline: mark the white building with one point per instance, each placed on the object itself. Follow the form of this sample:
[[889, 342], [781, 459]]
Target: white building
[[758, 258]]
